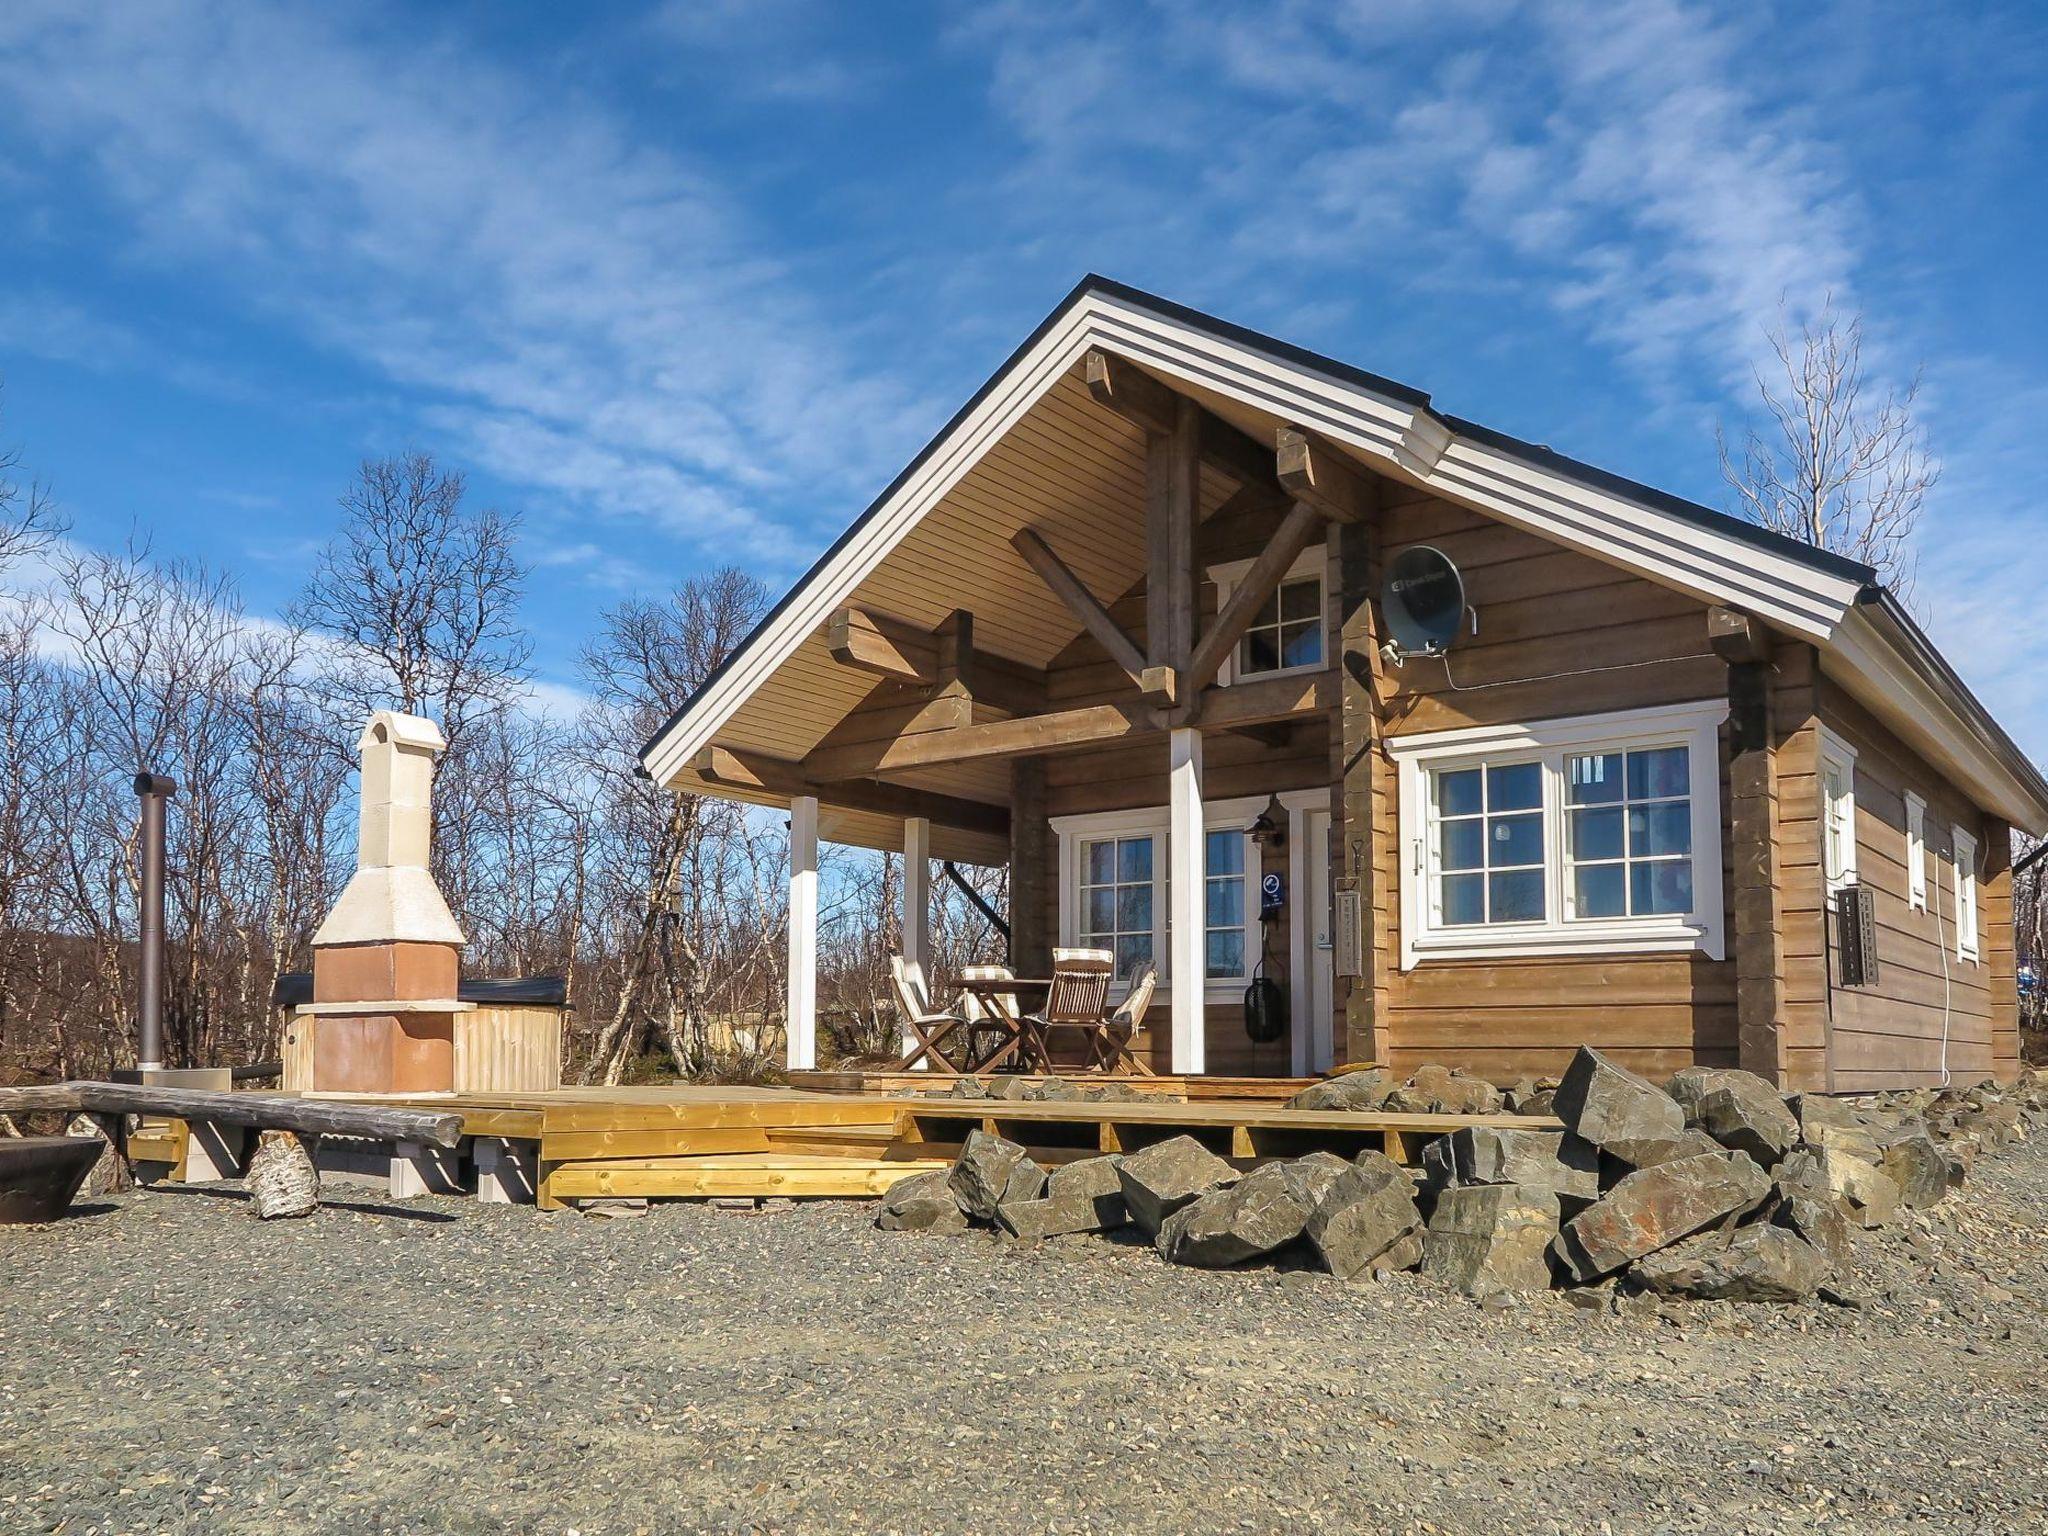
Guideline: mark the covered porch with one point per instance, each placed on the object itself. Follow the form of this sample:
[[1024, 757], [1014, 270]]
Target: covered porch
[[1100, 657]]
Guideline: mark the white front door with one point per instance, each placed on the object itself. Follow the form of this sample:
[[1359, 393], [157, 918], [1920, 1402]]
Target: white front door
[[1315, 911]]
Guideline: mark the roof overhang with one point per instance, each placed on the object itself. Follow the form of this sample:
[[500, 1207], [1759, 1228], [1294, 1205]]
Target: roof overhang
[[1871, 647]]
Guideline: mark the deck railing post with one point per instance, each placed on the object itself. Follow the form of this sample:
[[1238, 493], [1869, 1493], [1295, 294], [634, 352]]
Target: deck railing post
[[802, 1010], [1187, 928], [917, 909]]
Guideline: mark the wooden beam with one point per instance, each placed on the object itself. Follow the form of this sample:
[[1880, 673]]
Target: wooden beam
[[261, 1111], [1313, 471], [738, 769], [1300, 526], [898, 650], [1081, 602], [1268, 700], [1143, 400], [1060, 731], [1737, 638], [1172, 486]]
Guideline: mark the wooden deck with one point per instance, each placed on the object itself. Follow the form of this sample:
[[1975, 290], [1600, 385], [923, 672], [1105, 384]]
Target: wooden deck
[[687, 1141]]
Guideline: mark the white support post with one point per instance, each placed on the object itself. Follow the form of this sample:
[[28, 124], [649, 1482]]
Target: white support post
[[1186, 923], [802, 1013], [917, 911]]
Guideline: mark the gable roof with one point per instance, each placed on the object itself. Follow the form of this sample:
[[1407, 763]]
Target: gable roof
[[1866, 639]]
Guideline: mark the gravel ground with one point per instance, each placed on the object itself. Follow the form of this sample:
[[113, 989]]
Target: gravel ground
[[169, 1364]]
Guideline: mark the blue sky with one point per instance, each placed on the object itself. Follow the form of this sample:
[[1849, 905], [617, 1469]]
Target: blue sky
[[687, 283]]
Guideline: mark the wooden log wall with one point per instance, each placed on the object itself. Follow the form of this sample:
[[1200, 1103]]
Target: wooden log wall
[[1891, 1033], [1544, 610]]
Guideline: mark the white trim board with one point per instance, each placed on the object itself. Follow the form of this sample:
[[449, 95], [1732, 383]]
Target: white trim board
[[1695, 725], [1402, 437]]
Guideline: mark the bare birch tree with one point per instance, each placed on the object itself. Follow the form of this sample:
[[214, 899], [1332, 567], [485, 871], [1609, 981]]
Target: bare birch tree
[[1838, 467]]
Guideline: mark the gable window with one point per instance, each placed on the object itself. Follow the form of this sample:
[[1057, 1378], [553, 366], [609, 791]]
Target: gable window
[[1916, 852], [1600, 834], [1286, 634], [1963, 867], [1837, 810], [1114, 889]]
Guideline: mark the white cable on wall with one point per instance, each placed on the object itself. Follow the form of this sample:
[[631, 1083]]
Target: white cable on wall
[[1941, 943]]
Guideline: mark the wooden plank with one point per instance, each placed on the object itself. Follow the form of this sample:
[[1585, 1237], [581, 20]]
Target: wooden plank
[[894, 648], [1121, 386], [741, 769], [1170, 516], [1312, 471], [1082, 603], [710, 1178], [654, 1141], [1058, 731]]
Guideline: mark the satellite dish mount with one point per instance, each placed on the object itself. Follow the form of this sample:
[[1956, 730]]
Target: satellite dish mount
[[1422, 603]]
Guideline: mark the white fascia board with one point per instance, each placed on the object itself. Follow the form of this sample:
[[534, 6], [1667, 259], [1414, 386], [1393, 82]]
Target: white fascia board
[[1923, 714], [1408, 437], [1011, 395]]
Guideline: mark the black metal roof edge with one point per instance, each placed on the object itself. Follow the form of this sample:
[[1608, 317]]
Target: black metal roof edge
[[1695, 512], [1923, 649]]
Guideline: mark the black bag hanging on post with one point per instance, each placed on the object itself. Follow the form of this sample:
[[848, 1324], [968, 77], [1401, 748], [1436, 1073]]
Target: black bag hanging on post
[[1265, 1002]]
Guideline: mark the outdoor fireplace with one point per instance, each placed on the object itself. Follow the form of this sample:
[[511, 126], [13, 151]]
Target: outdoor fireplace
[[387, 959]]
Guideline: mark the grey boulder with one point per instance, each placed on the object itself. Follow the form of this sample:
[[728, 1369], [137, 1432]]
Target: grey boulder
[[1923, 1172], [1165, 1176], [1744, 1113], [1353, 1090], [1265, 1210], [1093, 1181], [1655, 1207], [1754, 1263], [1614, 1109], [1554, 1160], [922, 1203], [1818, 1218], [1488, 1238], [1367, 1219], [991, 1171]]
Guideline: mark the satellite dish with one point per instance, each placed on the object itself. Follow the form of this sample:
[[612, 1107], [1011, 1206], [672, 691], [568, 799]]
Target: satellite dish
[[1423, 603]]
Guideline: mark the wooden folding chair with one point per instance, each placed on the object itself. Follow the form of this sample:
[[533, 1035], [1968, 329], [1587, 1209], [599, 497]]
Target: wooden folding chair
[[1001, 1024], [1110, 1046], [929, 1026], [1080, 989]]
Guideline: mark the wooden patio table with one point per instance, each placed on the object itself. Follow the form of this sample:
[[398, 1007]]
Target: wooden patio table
[[1023, 1040]]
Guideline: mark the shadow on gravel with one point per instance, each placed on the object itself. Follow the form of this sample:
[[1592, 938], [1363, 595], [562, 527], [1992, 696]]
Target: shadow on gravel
[[360, 1207]]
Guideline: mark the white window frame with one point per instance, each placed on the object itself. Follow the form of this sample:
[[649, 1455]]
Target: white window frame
[[1916, 852], [1963, 872], [1695, 726], [1227, 578], [1837, 863], [1217, 816]]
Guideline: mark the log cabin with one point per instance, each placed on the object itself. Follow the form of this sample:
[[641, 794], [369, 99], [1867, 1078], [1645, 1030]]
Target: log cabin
[[1677, 787]]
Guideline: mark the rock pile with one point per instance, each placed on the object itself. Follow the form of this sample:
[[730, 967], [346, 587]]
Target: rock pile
[[1018, 1088], [1715, 1186]]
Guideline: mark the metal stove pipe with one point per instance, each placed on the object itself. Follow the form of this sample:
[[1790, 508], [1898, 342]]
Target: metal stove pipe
[[154, 789]]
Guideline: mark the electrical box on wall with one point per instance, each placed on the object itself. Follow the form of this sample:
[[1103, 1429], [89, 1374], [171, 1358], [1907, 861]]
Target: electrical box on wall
[[1856, 935], [1348, 938]]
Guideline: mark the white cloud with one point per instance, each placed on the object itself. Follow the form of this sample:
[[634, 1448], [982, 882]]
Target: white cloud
[[577, 302]]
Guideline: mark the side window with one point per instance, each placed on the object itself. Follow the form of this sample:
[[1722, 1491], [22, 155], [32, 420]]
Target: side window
[[1838, 811], [1964, 869], [1916, 852]]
